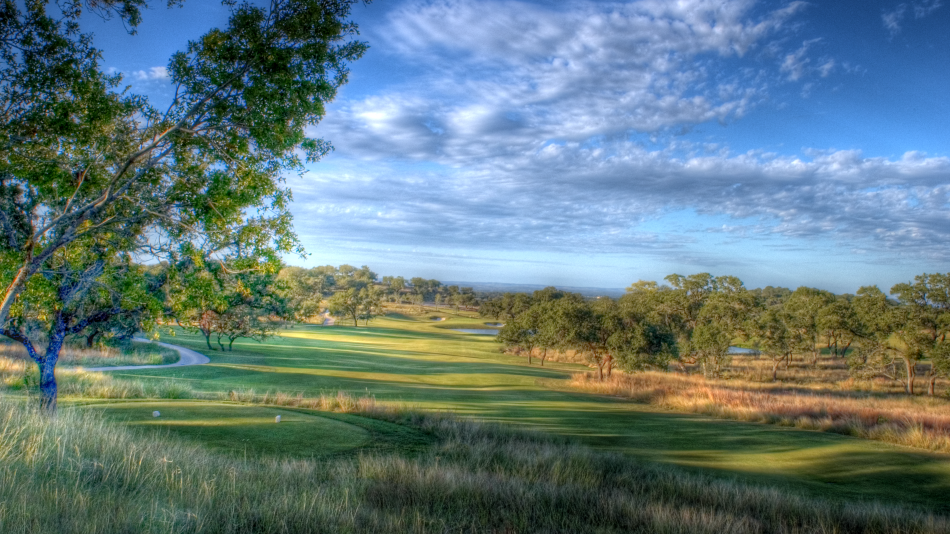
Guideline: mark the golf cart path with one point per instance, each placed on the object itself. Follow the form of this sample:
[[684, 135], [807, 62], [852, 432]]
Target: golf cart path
[[188, 357]]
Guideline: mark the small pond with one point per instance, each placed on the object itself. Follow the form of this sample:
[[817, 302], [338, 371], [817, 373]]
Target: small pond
[[740, 350], [479, 331]]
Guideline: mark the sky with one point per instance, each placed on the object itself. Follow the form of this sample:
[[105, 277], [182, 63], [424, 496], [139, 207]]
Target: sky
[[591, 143]]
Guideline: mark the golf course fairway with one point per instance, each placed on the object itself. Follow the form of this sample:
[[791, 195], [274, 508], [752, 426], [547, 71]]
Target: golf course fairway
[[253, 430], [427, 366]]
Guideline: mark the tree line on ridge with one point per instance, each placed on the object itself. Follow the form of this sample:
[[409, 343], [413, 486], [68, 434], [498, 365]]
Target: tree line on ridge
[[692, 321]]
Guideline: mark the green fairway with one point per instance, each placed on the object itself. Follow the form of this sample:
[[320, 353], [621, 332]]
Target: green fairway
[[427, 365], [241, 429], [253, 430]]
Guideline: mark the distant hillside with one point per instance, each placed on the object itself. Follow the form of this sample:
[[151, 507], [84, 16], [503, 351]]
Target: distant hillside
[[528, 288]]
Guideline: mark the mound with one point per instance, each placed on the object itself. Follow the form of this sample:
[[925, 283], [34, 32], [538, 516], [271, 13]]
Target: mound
[[242, 429]]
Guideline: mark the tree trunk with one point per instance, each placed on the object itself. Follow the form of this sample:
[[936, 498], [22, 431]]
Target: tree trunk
[[91, 338], [220, 344], [231, 345], [930, 389], [911, 373], [775, 364], [600, 371], [544, 354], [208, 339], [529, 355], [48, 388]]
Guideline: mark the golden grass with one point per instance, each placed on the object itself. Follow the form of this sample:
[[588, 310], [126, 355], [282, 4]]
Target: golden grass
[[71, 355], [921, 422], [830, 372]]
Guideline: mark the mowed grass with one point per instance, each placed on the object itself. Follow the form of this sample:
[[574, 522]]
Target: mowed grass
[[426, 365], [241, 429]]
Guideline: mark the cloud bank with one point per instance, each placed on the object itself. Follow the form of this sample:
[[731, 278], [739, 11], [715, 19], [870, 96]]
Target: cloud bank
[[542, 128]]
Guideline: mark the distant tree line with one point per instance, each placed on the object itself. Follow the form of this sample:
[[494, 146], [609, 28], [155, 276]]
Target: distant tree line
[[358, 293], [691, 321]]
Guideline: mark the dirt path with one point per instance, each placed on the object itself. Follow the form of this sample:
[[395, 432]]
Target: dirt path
[[188, 357]]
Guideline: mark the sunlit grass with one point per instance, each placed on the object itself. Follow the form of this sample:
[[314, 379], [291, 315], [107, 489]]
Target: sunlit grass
[[422, 365], [76, 356], [79, 473]]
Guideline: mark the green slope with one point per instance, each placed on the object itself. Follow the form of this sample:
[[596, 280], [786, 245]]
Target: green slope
[[428, 366]]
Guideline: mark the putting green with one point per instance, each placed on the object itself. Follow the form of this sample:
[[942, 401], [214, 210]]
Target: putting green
[[242, 429]]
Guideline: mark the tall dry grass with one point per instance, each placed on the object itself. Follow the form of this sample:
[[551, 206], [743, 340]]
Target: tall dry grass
[[19, 376], [101, 356], [922, 422], [76, 473]]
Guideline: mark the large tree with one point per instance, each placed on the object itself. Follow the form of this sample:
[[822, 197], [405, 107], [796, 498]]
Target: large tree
[[303, 290], [89, 174], [878, 355], [804, 312], [926, 321], [772, 336]]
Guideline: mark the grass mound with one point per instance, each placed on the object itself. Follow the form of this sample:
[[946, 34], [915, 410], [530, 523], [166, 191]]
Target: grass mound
[[241, 429]]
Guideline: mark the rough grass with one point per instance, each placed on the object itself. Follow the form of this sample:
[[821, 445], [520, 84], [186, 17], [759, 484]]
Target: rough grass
[[105, 356], [922, 422], [829, 373], [414, 361], [17, 376], [77, 473], [417, 363]]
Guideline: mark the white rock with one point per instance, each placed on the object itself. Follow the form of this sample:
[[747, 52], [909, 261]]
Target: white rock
[[155, 413], [277, 419]]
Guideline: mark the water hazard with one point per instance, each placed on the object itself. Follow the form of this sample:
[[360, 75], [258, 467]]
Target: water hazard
[[479, 331]]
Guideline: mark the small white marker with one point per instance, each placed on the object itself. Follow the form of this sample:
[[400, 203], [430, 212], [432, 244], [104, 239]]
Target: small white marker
[[155, 413], [277, 419]]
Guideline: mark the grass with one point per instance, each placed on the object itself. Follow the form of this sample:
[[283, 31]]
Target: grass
[[920, 422], [421, 364], [426, 366], [105, 356], [241, 429], [78, 473]]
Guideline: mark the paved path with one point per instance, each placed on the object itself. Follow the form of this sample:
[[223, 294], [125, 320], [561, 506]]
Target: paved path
[[188, 357]]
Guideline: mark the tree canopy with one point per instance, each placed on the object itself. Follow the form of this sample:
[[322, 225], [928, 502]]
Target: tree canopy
[[91, 175]]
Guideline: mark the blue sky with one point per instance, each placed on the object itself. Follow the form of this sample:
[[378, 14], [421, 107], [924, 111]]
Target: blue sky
[[592, 143]]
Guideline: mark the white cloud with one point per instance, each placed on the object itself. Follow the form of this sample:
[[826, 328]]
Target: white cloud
[[510, 77], [894, 18], [569, 197], [925, 8], [797, 63], [153, 73], [536, 128]]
